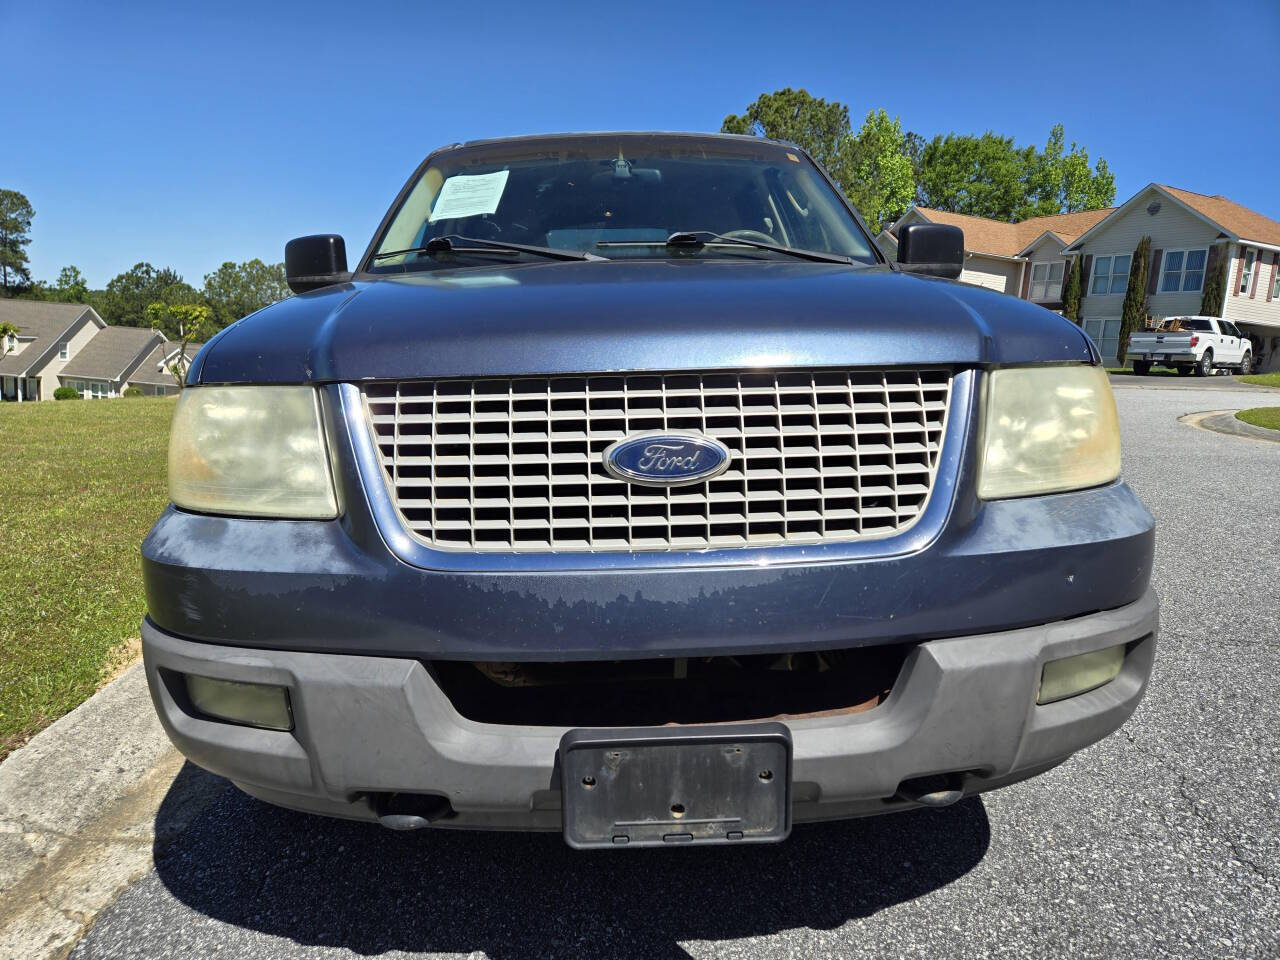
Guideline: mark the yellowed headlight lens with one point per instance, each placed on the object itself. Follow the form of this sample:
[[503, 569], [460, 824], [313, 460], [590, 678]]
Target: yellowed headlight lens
[[252, 452], [1048, 429]]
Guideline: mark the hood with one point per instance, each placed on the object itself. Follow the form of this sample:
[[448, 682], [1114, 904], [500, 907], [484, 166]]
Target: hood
[[547, 318]]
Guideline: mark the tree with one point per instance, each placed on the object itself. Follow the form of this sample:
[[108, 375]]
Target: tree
[[990, 176], [819, 127], [15, 234], [881, 180], [1133, 315], [983, 176], [7, 331], [1071, 290], [183, 323], [236, 290], [1215, 289], [71, 286], [871, 167], [130, 293]]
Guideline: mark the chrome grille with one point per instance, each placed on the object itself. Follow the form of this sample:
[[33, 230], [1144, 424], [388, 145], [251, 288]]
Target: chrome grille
[[516, 464]]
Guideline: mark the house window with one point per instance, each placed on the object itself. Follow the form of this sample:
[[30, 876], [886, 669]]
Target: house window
[[1246, 275], [1046, 280], [1105, 332], [64, 351], [1275, 281], [1183, 270], [1110, 274]]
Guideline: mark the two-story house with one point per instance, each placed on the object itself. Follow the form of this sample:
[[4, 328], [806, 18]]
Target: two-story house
[[1022, 259], [1192, 236]]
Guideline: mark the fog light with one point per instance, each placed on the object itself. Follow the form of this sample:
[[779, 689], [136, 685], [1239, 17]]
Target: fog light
[[1072, 676], [253, 704]]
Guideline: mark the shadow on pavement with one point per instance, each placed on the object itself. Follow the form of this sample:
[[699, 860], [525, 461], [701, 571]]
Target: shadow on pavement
[[326, 882]]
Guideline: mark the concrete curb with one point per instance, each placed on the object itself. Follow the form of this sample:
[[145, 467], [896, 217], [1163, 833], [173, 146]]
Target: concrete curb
[[1224, 421], [77, 811]]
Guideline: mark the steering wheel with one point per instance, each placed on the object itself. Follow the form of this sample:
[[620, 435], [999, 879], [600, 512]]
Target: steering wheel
[[756, 235]]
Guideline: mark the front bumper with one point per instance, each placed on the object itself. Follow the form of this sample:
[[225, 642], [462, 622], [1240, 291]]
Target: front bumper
[[370, 726]]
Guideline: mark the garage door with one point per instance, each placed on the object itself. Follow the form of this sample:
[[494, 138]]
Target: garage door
[[1105, 332]]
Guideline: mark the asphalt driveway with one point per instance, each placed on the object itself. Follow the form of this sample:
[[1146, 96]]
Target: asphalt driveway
[[1163, 840]]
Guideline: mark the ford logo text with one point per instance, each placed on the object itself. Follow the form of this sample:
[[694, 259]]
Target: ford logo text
[[666, 459]]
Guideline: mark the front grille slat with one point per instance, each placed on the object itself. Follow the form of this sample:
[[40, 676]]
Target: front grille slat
[[516, 464]]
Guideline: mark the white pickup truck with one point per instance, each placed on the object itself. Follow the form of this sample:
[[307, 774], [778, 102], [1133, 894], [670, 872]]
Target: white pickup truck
[[1196, 345]]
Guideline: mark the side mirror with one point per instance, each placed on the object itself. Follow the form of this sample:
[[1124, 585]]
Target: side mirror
[[934, 249], [314, 262]]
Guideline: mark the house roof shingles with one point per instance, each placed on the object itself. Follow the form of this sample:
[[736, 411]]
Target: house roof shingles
[[149, 371], [1000, 239], [43, 322], [111, 351], [1244, 223]]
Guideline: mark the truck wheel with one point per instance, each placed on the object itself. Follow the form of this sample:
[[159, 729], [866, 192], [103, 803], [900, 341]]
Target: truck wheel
[[1141, 367], [1246, 364], [1205, 367]]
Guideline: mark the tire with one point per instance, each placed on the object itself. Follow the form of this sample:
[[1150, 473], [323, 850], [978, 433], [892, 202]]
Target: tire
[[1246, 363], [1185, 371], [1204, 367], [1141, 367]]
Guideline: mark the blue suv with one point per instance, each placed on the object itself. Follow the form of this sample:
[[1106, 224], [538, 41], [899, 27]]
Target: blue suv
[[624, 489]]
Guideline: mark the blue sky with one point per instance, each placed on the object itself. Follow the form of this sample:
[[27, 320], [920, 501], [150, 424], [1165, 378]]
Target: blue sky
[[189, 134]]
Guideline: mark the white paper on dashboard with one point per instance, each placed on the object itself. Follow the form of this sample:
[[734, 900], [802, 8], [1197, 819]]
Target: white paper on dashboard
[[469, 196]]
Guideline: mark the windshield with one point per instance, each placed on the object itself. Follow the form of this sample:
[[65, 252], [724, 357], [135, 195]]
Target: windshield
[[619, 196]]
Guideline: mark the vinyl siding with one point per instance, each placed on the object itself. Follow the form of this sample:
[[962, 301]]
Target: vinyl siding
[[1172, 228], [1240, 309], [1048, 250], [85, 330], [992, 273]]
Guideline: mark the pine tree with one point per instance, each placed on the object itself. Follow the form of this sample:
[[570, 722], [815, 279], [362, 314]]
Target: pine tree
[[1071, 291], [1133, 314], [1215, 290]]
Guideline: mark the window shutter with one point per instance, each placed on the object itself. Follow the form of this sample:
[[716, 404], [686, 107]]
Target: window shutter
[[1271, 284], [1235, 286], [1027, 267], [1153, 275], [1257, 269]]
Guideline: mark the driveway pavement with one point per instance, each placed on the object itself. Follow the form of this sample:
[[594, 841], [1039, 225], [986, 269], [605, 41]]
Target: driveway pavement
[[1163, 840]]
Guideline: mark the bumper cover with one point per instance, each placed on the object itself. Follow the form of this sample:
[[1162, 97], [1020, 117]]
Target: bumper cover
[[375, 725]]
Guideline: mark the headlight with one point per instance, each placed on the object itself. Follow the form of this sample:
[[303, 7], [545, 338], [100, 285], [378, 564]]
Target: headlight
[[1048, 429], [250, 452]]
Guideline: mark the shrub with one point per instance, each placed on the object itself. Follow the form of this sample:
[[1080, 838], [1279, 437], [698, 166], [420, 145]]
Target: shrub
[[1071, 292], [132, 392], [66, 393], [1133, 314], [1215, 290]]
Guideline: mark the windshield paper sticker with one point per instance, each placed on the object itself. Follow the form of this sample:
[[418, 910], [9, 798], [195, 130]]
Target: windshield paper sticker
[[469, 196]]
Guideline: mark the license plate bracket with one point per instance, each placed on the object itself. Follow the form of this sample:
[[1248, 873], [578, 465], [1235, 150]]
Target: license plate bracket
[[663, 786]]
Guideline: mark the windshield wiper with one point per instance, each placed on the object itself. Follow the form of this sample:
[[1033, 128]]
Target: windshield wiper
[[703, 238], [456, 244]]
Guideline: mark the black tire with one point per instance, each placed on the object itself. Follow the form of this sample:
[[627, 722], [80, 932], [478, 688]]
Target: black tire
[[1204, 367], [1141, 367], [1185, 371], [1246, 363]]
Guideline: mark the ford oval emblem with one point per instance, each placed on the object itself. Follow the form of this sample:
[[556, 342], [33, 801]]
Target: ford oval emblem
[[666, 459]]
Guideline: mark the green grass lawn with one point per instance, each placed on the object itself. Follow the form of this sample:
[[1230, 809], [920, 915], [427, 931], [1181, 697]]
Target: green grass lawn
[[1268, 417], [1262, 379], [81, 482], [1155, 372]]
